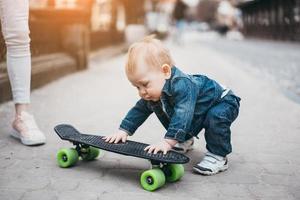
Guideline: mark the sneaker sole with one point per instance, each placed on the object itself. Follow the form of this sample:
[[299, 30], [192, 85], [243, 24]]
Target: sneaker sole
[[35, 143], [16, 135], [207, 173]]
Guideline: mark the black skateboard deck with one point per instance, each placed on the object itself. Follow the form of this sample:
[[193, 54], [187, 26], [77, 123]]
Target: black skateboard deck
[[165, 167], [129, 148]]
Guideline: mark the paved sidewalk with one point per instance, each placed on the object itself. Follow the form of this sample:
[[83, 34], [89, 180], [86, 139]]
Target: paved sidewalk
[[266, 151]]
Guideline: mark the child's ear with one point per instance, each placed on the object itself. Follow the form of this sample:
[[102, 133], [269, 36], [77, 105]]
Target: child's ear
[[166, 70]]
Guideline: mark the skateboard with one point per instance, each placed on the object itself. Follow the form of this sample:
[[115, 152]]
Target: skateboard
[[165, 167]]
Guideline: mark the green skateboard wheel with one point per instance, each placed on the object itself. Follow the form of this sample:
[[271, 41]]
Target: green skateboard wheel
[[67, 157], [90, 153], [173, 172], [152, 179]]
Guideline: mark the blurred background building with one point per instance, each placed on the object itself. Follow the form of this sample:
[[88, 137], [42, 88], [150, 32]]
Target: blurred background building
[[272, 19]]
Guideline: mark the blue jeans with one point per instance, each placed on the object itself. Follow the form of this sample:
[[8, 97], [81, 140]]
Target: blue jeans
[[217, 125]]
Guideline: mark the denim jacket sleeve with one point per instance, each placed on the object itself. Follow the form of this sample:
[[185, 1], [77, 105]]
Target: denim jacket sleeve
[[135, 117], [184, 93]]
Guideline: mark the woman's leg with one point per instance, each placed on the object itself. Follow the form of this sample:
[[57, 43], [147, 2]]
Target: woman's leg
[[14, 20], [15, 29]]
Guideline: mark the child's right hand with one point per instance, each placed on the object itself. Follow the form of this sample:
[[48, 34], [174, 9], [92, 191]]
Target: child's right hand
[[117, 137]]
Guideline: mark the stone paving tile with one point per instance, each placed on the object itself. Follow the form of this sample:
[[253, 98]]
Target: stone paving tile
[[281, 180], [270, 191], [11, 194], [41, 194]]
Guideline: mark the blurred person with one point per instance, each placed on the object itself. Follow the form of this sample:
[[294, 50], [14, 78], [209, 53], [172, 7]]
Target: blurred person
[[234, 33], [15, 30], [179, 12], [184, 104], [225, 17], [158, 17]]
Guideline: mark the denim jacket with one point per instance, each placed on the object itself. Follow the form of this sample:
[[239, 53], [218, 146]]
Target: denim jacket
[[183, 104]]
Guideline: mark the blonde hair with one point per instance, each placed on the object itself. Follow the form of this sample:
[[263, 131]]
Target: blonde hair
[[149, 49]]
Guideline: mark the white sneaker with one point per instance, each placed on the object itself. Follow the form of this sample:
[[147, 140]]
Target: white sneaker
[[211, 164], [25, 129], [184, 147]]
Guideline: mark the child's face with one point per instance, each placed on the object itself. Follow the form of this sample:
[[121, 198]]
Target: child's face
[[150, 81]]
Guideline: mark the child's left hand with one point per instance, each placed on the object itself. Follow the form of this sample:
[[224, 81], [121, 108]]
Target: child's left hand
[[163, 146]]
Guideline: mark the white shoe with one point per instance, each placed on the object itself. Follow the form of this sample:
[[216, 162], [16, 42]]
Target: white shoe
[[211, 164], [184, 147], [25, 129]]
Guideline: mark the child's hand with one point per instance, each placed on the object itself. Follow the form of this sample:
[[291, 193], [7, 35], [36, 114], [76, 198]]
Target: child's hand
[[117, 137], [163, 146]]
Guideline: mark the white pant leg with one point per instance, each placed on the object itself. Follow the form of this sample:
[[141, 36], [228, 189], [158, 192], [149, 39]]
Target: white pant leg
[[15, 29]]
